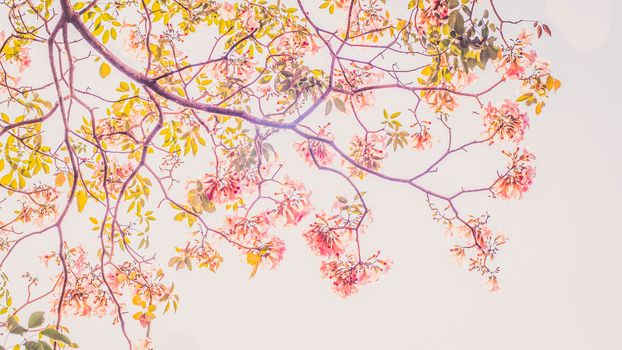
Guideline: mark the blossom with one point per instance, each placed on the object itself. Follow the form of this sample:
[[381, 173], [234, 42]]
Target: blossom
[[322, 154], [465, 79], [117, 175], [362, 100], [274, 251], [518, 178], [295, 43], [434, 13], [493, 284], [458, 253], [440, 99], [46, 258], [293, 203], [367, 152], [115, 278], [39, 205], [326, 237], [143, 344], [358, 76], [344, 274], [135, 42], [249, 229], [220, 188], [349, 274], [524, 37], [227, 11], [84, 294], [422, 139], [226, 69], [24, 60], [249, 20], [505, 122], [517, 61]]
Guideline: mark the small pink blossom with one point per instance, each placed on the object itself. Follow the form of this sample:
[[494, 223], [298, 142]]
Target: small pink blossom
[[227, 11]]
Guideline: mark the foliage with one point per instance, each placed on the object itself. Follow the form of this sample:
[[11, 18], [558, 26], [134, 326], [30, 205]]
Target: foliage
[[140, 89]]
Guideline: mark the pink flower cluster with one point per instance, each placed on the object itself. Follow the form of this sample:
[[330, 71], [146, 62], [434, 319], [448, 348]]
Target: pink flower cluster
[[349, 274], [517, 61], [422, 139], [39, 205], [322, 154], [519, 176], [328, 235], [368, 152], [85, 293], [221, 188], [435, 13], [506, 122], [293, 202]]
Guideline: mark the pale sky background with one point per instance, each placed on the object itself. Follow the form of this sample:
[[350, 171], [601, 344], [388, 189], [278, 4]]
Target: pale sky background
[[561, 275]]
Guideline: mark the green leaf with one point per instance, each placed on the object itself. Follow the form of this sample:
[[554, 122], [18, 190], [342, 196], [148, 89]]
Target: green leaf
[[329, 107], [341, 106], [13, 327], [36, 319], [33, 345], [55, 335]]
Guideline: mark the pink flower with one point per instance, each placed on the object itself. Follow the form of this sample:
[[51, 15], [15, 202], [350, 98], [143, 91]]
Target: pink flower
[[506, 122], [293, 202], [457, 252], [525, 37], [349, 274], [24, 60], [221, 188], [39, 205], [227, 11], [465, 79], [434, 13], [440, 100], [322, 154], [240, 69], [249, 230], [45, 259], [519, 177], [363, 100], [275, 249], [493, 284], [344, 275], [515, 70], [326, 237], [422, 139], [369, 152], [143, 344], [249, 20]]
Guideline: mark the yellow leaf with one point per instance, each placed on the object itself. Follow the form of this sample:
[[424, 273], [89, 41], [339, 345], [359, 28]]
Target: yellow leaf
[[254, 271], [81, 198], [6, 179], [104, 70], [60, 179], [254, 260], [539, 107], [137, 300]]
